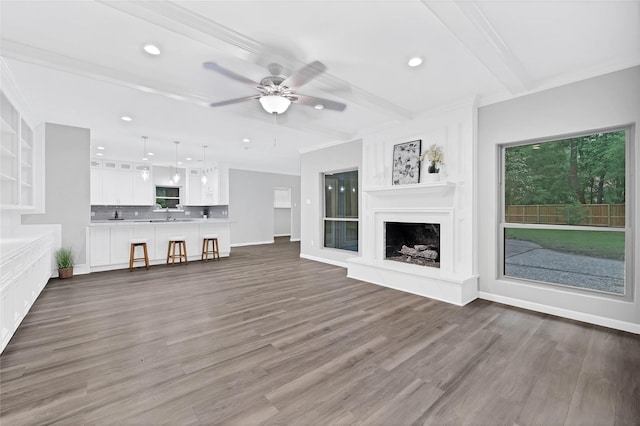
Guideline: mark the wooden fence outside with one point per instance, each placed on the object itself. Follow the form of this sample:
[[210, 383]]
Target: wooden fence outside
[[610, 215]]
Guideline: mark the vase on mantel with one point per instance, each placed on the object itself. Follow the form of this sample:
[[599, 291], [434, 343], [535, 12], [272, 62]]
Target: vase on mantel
[[432, 177]]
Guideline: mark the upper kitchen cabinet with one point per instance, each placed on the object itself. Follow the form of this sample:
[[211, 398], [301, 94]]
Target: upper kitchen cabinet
[[121, 183], [17, 157], [209, 191]]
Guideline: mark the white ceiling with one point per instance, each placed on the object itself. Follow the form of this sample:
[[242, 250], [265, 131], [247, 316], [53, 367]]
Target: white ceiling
[[81, 63]]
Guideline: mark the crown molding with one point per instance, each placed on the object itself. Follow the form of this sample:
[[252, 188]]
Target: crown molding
[[466, 21]]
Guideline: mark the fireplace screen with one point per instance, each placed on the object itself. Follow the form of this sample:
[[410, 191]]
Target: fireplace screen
[[416, 243]]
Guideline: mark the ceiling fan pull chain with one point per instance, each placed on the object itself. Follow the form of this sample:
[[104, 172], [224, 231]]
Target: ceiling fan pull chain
[[275, 128]]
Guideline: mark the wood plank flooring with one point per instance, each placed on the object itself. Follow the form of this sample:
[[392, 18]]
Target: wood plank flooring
[[264, 337]]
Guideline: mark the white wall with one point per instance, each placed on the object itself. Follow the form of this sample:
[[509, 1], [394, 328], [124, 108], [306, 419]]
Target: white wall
[[251, 209], [601, 102], [282, 221], [67, 189], [314, 164]]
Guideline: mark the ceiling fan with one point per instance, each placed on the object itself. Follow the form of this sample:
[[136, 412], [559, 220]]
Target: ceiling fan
[[278, 92]]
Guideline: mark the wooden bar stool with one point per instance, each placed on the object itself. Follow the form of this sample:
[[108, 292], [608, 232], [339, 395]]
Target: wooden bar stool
[[215, 251], [181, 242], [138, 242]]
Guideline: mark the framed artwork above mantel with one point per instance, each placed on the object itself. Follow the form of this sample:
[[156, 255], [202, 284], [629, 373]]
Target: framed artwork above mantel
[[406, 162]]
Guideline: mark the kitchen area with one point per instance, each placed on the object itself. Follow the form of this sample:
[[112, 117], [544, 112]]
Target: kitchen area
[[132, 201]]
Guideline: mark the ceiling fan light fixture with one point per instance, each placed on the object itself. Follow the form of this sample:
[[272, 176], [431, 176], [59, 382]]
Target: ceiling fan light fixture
[[275, 104]]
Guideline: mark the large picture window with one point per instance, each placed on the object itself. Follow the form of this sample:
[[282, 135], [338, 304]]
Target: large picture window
[[565, 216], [341, 210]]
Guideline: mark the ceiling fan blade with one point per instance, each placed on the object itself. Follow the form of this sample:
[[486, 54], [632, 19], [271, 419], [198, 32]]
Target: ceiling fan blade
[[227, 73], [234, 101], [313, 101], [304, 75]]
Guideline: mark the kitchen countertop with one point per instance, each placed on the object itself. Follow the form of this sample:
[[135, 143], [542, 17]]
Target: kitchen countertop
[[129, 222]]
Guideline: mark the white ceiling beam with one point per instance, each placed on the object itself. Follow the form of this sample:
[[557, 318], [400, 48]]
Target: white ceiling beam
[[466, 21], [173, 17]]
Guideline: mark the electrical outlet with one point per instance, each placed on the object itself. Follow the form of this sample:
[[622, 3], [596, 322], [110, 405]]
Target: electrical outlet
[[311, 243], [135, 213]]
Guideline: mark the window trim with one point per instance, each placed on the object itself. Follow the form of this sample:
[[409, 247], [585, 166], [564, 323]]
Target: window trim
[[628, 229], [323, 214]]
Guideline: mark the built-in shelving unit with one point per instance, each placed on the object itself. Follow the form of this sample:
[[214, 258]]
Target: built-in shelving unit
[[16, 156]]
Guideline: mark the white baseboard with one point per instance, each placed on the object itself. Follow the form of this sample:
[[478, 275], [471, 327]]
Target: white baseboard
[[294, 239], [565, 313], [323, 260], [255, 243], [282, 235], [77, 270]]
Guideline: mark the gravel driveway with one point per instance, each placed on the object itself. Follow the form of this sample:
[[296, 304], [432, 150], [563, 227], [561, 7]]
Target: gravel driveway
[[531, 261]]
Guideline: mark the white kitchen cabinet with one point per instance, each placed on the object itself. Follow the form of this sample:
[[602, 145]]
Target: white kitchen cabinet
[[194, 187], [124, 181], [95, 176], [149, 233], [187, 230], [100, 245], [120, 243], [120, 184], [143, 190]]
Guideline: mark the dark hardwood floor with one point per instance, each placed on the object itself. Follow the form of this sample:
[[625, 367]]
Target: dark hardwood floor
[[267, 337]]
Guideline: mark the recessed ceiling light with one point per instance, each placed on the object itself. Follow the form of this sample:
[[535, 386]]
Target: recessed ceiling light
[[126, 118], [145, 159], [98, 153], [100, 147], [179, 162], [319, 106], [152, 49], [247, 140], [150, 153], [415, 61], [188, 158]]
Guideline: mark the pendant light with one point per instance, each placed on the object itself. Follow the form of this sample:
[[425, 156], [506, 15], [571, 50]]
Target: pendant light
[[204, 164], [176, 177], [145, 170]]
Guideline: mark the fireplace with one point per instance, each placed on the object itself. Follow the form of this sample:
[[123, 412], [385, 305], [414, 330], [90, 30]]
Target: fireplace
[[414, 243]]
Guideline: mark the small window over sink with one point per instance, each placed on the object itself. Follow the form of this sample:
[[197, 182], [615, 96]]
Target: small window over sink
[[168, 197]]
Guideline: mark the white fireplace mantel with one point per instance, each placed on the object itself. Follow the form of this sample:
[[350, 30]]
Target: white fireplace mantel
[[413, 189]]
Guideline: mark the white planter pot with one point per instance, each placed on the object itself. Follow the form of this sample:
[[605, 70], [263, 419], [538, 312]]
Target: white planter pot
[[431, 177]]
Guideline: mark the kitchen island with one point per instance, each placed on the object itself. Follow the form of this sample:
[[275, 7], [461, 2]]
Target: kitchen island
[[109, 239]]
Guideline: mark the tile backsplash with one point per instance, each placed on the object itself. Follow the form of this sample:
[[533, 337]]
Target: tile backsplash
[[147, 212]]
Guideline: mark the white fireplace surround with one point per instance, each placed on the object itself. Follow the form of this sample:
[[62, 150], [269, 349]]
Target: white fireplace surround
[[444, 283], [443, 217]]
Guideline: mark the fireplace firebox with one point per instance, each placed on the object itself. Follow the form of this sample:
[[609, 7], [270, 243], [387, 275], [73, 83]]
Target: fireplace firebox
[[415, 243]]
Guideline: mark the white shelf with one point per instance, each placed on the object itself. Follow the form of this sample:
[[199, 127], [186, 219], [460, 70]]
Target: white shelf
[[7, 178], [6, 152], [7, 128], [417, 188]]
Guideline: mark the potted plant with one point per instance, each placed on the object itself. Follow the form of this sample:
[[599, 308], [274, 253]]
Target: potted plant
[[64, 259], [435, 156]]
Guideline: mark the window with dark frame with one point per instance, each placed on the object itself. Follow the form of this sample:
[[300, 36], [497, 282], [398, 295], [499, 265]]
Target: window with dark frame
[[341, 210]]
